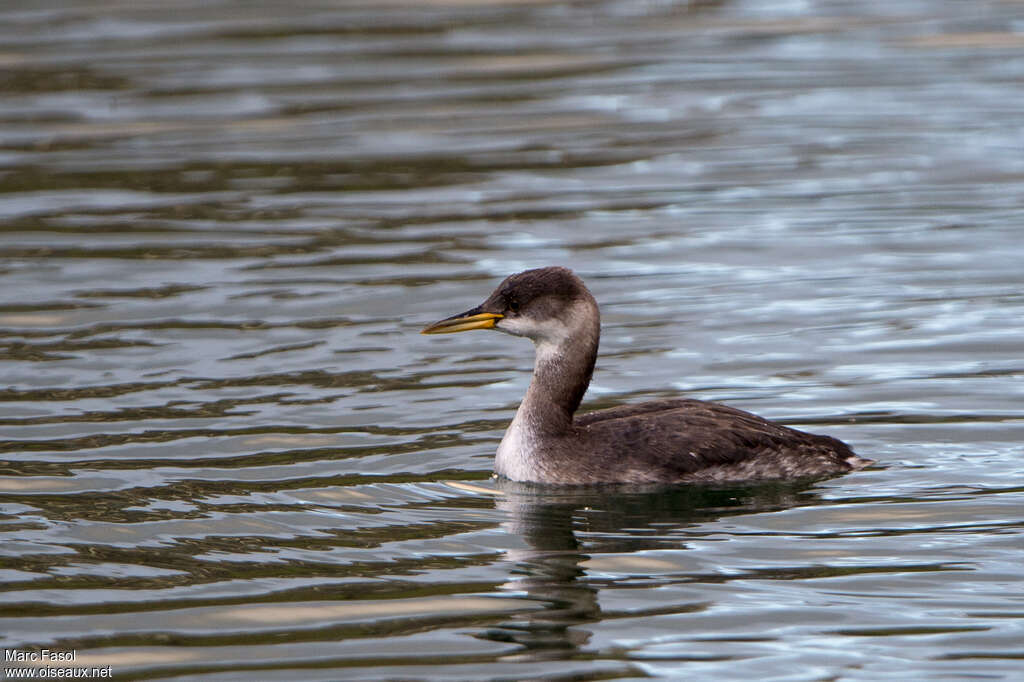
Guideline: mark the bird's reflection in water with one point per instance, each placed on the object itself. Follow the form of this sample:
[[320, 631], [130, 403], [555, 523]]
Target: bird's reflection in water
[[565, 528]]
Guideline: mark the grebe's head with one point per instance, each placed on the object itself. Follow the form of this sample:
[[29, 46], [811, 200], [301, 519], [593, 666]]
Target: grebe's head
[[546, 305]]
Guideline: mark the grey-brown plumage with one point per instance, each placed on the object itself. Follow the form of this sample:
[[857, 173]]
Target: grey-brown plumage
[[680, 440]]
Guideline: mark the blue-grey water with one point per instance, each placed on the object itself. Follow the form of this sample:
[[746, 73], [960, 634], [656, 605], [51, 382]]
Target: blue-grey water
[[227, 454]]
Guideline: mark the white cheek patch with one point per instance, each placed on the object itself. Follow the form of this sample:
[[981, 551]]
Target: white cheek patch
[[516, 326], [551, 331]]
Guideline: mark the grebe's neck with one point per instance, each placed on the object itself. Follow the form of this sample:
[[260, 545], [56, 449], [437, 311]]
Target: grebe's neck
[[561, 375], [563, 364]]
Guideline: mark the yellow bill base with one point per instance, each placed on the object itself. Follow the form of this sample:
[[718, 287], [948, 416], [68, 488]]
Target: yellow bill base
[[463, 324]]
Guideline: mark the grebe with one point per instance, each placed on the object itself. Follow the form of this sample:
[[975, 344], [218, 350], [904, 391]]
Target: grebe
[[662, 441]]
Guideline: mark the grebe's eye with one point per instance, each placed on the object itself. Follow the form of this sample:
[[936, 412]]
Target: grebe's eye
[[513, 305]]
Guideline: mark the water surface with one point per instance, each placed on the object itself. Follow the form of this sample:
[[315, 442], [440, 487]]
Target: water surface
[[227, 454]]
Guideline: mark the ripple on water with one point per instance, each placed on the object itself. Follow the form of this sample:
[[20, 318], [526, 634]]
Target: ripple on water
[[225, 453]]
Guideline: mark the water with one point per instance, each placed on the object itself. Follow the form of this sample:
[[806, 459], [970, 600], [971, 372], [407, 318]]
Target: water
[[228, 455]]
